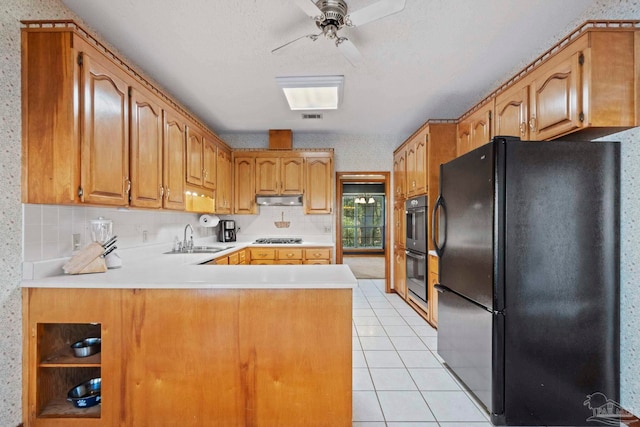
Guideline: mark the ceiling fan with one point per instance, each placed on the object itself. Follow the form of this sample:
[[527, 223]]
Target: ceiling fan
[[333, 15]]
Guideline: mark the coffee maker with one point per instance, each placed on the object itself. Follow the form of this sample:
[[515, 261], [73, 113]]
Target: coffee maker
[[227, 230]]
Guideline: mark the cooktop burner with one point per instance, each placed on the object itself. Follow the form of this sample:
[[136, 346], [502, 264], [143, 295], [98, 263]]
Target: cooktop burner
[[279, 240]]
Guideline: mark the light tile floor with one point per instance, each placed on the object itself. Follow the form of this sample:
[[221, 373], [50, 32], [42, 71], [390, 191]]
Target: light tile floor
[[398, 378]]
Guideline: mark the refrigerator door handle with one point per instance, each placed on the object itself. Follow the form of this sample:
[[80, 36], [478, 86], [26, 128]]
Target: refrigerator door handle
[[440, 288], [443, 226]]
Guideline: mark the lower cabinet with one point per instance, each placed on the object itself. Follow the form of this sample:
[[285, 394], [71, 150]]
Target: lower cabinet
[[288, 255], [400, 271], [189, 357], [432, 292]]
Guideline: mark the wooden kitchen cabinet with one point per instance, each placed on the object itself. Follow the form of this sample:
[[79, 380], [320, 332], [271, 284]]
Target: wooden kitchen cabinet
[[244, 192], [224, 178], [281, 175], [95, 132], [155, 357], [147, 186], [432, 292], [474, 129], [201, 158], [416, 166], [318, 255], [52, 322], [400, 271], [399, 224], [318, 198], [175, 133], [586, 84], [105, 132], [290, 255], [399, 173]]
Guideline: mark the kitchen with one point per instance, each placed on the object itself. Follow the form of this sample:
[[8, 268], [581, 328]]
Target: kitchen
[[352, 153]]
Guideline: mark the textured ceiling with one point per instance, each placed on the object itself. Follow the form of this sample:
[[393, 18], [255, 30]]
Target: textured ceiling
[[435, 59]]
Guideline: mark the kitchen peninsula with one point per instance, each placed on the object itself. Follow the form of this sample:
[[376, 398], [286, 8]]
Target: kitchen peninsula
[[192, 345]]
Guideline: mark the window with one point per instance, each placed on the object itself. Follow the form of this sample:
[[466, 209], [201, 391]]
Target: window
[[363, 221]]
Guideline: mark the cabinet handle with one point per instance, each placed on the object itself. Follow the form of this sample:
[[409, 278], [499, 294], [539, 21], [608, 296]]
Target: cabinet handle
[[532, 124], [523, 128], [127, 181], [204, 174], [168, 192], [161, 191], [289, 255]]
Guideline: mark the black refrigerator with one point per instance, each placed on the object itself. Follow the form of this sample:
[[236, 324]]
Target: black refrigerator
[[528, 240]]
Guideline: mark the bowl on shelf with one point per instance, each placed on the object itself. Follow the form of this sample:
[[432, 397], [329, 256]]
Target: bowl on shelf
[[86, 347], [85, 395]]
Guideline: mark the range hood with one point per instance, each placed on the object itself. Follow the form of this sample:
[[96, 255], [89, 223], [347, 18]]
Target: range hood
[[279, 200]]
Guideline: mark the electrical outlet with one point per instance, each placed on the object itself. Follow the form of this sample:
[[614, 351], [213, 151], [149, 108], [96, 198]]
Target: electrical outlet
[[144, 236], [327, 229], [75, 241]]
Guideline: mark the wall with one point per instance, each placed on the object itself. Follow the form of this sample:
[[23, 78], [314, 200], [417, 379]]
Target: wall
[[352, 153]]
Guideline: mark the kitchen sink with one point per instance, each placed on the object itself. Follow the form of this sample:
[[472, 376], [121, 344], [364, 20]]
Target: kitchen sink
[[201, 250]]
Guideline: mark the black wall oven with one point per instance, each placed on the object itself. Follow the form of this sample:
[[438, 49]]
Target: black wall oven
[[416, 211], [416, 244]]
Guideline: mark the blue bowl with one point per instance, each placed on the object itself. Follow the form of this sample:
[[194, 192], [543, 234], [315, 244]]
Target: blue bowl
[[85, 395]]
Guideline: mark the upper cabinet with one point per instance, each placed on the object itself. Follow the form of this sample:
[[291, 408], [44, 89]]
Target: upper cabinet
[[104, 93], [284, 172], [244, 191], [175, 133], [399, 173], [147, 135], [279, 173], [416, 159], [584, 84], [94, 132], [474, 129], [318, 196], [223, 181]]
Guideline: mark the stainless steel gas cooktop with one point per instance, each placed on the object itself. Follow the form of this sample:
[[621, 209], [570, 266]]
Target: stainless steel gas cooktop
[[279, 240]]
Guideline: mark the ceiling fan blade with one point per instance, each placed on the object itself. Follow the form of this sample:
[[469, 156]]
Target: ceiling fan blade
[[312, 37], [309, 7], [375, 11], [349, 50]]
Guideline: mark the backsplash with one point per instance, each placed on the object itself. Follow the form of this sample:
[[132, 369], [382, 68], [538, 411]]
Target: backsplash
[[48, 229], [311, 227]]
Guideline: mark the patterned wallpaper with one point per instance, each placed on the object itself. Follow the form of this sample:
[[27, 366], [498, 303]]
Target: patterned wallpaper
[[352, 153]]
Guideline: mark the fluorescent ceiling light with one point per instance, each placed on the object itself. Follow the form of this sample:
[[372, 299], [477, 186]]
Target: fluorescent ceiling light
[[312, 92]]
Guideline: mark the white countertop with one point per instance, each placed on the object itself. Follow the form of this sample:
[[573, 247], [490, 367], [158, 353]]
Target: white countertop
[[150, 268]]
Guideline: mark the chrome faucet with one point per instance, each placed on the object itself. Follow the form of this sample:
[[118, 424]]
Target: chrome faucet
[[187, 245]]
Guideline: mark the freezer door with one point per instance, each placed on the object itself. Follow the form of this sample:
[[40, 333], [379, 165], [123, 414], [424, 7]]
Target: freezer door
[[561, 280], [466, 220], [465, 343]]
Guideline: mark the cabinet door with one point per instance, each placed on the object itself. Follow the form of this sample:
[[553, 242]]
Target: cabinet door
[[555, 99], [433, 299], [480, 126], [319, 185], [146, 150], [267, 175], [195, 163], [420, 168], [223, 197], [175, 131], [464, 138], [411, 170], [399, 221], [512, 113], [400, 272], [399, 174], [244, 192], [105, 133], [291, 175], [209, 159]]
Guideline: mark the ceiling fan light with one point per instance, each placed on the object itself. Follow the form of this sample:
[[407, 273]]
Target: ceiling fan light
[[312, 92]]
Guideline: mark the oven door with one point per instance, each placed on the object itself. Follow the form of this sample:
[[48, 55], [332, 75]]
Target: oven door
[[416, 226], [417, 274]]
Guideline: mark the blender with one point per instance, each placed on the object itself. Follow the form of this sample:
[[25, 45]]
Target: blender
[[101, 232]]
